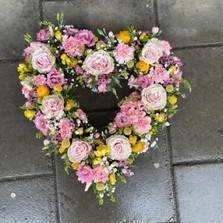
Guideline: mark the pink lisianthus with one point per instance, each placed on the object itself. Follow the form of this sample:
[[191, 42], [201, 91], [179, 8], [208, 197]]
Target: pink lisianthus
[[42, 123], [121, 120], [86, 37], [166, 47], [39, 80], [54, 77], [72, 46], [82, 115], [66, 128], [144, 81], [85, 174], [159, 74], [143, 125], [43, 34], [124, 53], [78, 150], [100, 174]]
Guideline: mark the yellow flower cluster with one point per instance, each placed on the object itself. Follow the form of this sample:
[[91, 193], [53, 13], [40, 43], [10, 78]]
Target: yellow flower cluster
[[65, 60]]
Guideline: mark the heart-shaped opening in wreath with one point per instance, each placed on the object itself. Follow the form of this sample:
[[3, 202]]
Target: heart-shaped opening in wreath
[[63, 58]]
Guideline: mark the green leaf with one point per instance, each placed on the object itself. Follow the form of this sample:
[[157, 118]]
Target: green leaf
[[187, 84], [28, 38]]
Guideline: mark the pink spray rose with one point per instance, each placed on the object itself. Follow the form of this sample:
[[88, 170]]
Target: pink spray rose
[[43, 34], [124, 53], [102, 88], [78, 151], [120, 147], [66, 128], [53, 105], [54, 77], [142, 126], [86, 37], [85, 174], [166, 47], [42, 123], [154, 97], [155, 30], [122, 120], [72, 46], [152, 51], [39, 80], [159, 74], [100, 174], [82, 115], [99, 62]]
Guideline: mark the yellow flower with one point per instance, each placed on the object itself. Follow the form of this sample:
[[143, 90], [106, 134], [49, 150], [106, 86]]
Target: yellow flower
[[21, 76], [172, 99], [169, 88], [80, 130], [66, 143], [138, 147], [102, 150], [160, 117], [75, 166], [42, 91], [142, 36], [22, 68], [52, 132], [100, 186], [29, 114], [142, 66], [74, 62], [172, 70], [61, 149], [127, 131], [124, 36], [65, 59], [99, 45], [58, 35], [130, 64], [69, 105], [112, 179], [132, 139], [97, 161], [57, 88]]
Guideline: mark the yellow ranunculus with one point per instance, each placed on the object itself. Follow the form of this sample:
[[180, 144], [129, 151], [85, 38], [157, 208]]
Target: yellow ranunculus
[[138, 147], [29, 114], [99, 45], [124, 36], [69, 105], [130, 64], [112, 178], [132, 139], [172, 99], [58, 35], [66, 143], [61, 149], [42, 91], [75, 166], [142, 66], [57, 88], [100, 186]]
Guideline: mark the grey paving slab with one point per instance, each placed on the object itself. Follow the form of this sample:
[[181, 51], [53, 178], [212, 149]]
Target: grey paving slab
[[17, 18], [199, 190], [28, 201], [20, 150], [191, 22], [195, 127], [146, 197], [113, 15]]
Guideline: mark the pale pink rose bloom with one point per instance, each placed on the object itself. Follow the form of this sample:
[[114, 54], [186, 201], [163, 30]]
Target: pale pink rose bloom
[[82, 115], [78, 151], [39, 80], [166, 47], [53, 105], [100, 174], [120, 147], [155, 30], [85, 174], [72, 46], [152, 51], [30, 49], [42, 123], [154, 97], [159, 74], [143, 125], [122, 120], [86, 37], [66, 128], [43, 60], [102, 88], [99, 62], [124, 53]]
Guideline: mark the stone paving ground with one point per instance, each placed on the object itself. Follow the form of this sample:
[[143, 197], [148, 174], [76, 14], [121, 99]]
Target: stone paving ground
[[186, 187]]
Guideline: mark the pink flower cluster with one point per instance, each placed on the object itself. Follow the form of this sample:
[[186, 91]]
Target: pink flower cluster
[[66, 128]]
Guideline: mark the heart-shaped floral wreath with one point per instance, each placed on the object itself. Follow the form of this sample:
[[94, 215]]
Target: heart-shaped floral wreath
[[62, 58]]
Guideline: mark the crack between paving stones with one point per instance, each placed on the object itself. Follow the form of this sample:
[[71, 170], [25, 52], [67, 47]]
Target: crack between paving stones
[[175, 197], [41, 9], [198, 46], [198, 162], [155, 7]]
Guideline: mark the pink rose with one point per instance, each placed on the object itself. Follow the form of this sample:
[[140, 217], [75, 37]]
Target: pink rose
[[39, 80], [144, 81], [72, 46], [53, 105], [159, 74], [78, 151], [154, 97], [100, 174], [152, 51], [43, 60], [66, 128], [102, 88], [155, 30], [29, 50], [166, 47], [85, 174], [122, 120], [124, 53], [120, 147], [42, 123], [99, 62], [86, 37], [82, 115], [142, 126], [54, 77]]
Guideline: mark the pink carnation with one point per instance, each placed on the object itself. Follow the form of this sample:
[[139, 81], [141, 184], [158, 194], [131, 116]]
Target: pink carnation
[[85, 174], [159, 74], [66, 128], [124, 53], [166, 47], [86, 37], [121, 120], [82, 115], [100, 174], [72, 46], [39, 80], [42, 123], [143, 125]]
